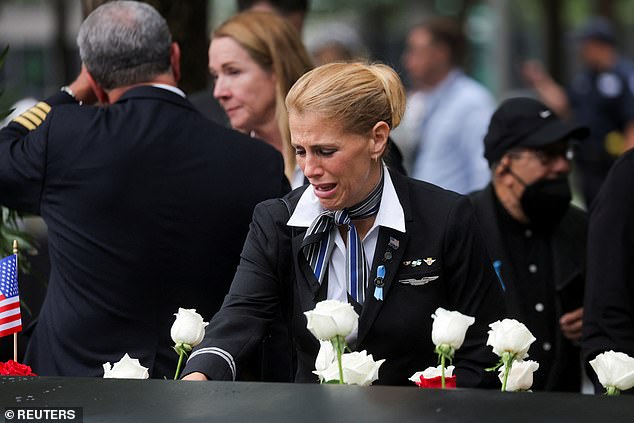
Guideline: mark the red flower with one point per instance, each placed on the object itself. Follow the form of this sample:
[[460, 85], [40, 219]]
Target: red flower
[[13, 368], [436, 382]]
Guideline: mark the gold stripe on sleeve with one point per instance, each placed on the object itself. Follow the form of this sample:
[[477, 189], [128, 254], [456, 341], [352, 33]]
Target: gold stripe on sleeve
[[30, 116], [45, 107], [39, 112], [25, 122]]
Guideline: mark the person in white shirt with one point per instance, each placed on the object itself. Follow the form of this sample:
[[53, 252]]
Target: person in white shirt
[[447, 112]]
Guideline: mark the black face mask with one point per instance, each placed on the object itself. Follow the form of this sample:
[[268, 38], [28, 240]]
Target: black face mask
[[545, 201]]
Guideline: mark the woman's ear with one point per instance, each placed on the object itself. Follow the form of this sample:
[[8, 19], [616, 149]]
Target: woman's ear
[[380, 134]]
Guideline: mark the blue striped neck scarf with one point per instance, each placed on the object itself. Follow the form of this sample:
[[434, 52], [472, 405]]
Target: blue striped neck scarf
[[319, 242]]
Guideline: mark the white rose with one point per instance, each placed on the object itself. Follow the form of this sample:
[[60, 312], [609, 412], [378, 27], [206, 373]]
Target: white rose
[[450, 327], [188, 328], [509, 335], [326, 356], [521, 375], [359, 368], [330, 318], [432, 372], [126, 368], [614, 369]]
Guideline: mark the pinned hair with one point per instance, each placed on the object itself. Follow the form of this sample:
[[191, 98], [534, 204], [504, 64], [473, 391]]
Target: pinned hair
[[358, 95]]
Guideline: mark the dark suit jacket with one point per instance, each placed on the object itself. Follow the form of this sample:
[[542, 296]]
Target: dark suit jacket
[[274, 272], [147, 205], [568, 258], [609, 302]]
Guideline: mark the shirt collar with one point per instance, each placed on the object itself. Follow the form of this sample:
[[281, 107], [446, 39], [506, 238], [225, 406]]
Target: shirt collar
[[390, 213], [171, 88]]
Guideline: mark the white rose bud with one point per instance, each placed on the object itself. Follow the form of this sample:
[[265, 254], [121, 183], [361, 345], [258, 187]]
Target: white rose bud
[[188, 328], [511, 336], [614, 369], [450, 327], [326, 356], [359, 368], [432, 372], [332, 318], [126, 368], [521, 375]]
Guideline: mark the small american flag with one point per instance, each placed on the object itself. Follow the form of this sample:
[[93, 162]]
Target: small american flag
[[10, 318]]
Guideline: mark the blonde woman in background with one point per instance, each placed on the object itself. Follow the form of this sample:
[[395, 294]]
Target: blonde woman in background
[[255, 57]]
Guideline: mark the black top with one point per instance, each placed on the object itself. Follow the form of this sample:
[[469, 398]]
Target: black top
[[531, 260], [559, 265], [609, 305]]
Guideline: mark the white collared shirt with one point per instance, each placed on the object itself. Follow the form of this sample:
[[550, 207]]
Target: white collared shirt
[[171, 88], [390, 215]]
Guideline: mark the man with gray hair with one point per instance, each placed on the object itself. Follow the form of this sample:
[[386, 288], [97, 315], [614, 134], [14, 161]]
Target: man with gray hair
[[147, 203]]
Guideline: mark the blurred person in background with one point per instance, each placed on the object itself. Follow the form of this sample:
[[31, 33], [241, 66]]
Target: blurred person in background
[[254, 58], [335, 42], [293, 10], [447, 112], [601, 97], [536, 239]]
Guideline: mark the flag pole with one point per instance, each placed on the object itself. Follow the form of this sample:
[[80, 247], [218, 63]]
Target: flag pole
[[15, 334]]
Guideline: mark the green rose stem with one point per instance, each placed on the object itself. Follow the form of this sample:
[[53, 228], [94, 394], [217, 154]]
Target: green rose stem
[[339, 344], [613, 390], [442, 369], [507, 359], [181, 350], [445, 352]]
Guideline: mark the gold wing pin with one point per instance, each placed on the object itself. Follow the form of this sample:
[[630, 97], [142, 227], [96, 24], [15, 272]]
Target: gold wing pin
[[429, 261]]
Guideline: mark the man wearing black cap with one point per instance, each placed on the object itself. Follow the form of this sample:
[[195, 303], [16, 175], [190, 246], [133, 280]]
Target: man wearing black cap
[[535, 238], [601, 97]]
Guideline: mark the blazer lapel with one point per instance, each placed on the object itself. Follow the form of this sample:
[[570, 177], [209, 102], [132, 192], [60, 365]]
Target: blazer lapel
[[389, 241], [307, 283], [389, 257]]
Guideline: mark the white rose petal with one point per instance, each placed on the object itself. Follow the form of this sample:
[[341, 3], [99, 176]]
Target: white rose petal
[[509, 335], [359, 368], [126, 368], [432, 372], [416, 376], [331, 318], [325, 357], [450, 327], [614, 369], [188, 328], [521, 375]]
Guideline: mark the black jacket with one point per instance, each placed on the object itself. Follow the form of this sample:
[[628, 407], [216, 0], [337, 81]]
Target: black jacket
[[567, 244], [147, 206], [274, 272], [609, 303]]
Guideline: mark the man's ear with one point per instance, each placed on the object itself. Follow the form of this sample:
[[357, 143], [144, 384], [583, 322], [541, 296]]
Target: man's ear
[[97, 89], [502, 169], [175, 61]]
